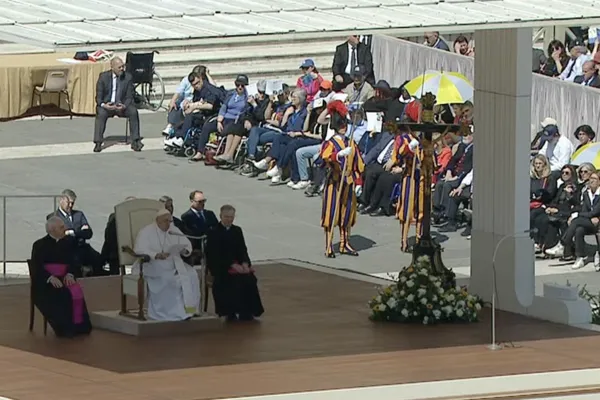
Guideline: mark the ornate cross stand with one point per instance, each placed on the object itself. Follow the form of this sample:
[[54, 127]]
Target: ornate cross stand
[[426, 245]]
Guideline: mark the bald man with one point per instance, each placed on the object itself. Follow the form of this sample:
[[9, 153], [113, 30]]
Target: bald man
[[589, 76], [114, 96]]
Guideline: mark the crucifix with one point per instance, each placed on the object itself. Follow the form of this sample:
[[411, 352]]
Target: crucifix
[[423, 131]]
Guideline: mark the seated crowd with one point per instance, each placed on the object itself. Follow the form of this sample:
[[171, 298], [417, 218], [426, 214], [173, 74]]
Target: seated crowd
[[564, 205], [170, 246]]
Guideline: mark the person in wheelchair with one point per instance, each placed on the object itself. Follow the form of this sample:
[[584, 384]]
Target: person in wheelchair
[[183, 94], [115, 96], [194, 113]]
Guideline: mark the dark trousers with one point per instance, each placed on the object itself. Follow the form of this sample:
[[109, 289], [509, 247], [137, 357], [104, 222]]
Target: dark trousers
[[318, 176], [546, 231], [190, 121], [441, 195], [175, 117], [575, 235], [454, 202], [382, 194], [102, 115], [289, 155], [534, 214], [372, 173], [230, 127], [88, 256]]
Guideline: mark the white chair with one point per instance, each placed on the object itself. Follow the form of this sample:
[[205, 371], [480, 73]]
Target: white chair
[[56, 81], [131, 216]]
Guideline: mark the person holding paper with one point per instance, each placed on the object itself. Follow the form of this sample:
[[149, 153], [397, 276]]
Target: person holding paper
[[345, 167], [173, 286]]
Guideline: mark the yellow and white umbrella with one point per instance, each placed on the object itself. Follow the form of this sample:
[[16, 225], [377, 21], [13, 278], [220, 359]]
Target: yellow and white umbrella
[[448, 87], [588, 153]]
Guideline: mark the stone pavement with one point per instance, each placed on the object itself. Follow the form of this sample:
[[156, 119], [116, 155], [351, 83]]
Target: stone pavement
[[44, 157]]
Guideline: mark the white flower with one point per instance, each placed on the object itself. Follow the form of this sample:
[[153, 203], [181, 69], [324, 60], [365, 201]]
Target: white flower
[[434, 298], [402, 279], [460, 303], [448, 309], [391, 303], [410, 298], [378, 299], [402, 293], [440, 291], [410, 284], [433, 278], [438, 284], [421, 292], [424, 300], [477, 306], [459, 313], [425, 320], [423, 272], [471, 298], [413, 276], [458, 289], [423, 260], [415, 313], [450, 297], [404, 312], [381, 307], [437, 314]]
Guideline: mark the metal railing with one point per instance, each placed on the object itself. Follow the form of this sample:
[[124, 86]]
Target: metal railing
[[4, 221]]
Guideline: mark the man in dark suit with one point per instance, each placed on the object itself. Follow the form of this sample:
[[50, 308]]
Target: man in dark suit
[[78, 232], [115, 96], [590, 75], [168, 202], [348, 56], [375, 164], [197, 221], [235, 290]]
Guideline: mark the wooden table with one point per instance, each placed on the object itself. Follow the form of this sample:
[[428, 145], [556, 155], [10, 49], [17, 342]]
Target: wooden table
[[19, 74]]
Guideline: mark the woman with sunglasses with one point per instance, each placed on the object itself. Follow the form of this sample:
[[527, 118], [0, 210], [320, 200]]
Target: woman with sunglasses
[[549, 226]]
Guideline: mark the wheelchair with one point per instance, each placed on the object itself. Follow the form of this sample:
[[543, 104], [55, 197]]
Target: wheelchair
[[148, 84], [190, 143]]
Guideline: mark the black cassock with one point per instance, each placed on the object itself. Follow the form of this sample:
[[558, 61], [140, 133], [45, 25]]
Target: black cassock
[[234, 294], [64, 308]]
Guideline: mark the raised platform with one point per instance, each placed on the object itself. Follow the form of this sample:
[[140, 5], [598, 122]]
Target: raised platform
[[315, 336], [114, 322]]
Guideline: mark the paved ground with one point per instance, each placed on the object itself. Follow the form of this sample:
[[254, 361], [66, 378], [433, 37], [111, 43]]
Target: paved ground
[[44, 157]]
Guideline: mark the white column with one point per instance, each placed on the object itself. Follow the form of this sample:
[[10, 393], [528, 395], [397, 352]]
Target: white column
[[501, 175]]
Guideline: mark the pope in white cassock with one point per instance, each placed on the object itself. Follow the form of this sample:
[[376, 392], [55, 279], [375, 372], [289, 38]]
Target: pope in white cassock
[[173, 285]]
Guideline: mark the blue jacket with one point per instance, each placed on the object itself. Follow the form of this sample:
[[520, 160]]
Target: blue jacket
[[373, 153]]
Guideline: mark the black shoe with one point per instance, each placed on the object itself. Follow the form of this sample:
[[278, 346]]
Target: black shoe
[[566, 258], [97, 147], [137, 145], [246, 317], [367, 210], [449, 227], [466, 232], [231, 318], [380, 212]]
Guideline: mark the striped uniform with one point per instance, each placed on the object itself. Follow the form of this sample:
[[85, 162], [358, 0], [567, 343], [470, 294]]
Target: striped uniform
[[340, 212]]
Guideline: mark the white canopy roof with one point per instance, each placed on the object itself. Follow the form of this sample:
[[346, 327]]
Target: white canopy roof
[[72, 22]]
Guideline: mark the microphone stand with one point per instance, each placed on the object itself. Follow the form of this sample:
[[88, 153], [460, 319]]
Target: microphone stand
[[494, 345]]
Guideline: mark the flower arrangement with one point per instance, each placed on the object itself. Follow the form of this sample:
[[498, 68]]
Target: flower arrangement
[[420, 296]]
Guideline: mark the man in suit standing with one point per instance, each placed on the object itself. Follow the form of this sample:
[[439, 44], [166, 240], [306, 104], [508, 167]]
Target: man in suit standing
[[115, 96], [590, 75], [78, 232], [197, 221], [348, 56]]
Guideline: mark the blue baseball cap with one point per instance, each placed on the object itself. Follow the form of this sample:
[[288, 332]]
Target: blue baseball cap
[[307, 63]]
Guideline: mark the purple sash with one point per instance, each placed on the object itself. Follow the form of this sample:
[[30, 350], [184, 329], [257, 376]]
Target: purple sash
[[59, 271]]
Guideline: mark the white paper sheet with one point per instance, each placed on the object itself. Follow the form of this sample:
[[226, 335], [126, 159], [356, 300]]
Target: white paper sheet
[[252, 90], [69, 60], [176, 249], [274, 86], [374, 121]]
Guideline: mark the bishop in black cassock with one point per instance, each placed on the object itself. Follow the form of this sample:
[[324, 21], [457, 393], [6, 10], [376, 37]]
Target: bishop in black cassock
[[234, 288], [64, 307]]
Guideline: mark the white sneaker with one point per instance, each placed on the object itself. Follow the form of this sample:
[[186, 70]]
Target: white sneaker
[[537, 248], [261, 165], [597, 261], [276, 180], [301, 185], [273, 172], [290, 184], [556, 251], [168, 129], [579, 263]]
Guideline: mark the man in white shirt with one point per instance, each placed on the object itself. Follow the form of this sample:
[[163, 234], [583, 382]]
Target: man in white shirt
[[557, 148], [461, 194], [579, 55]]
